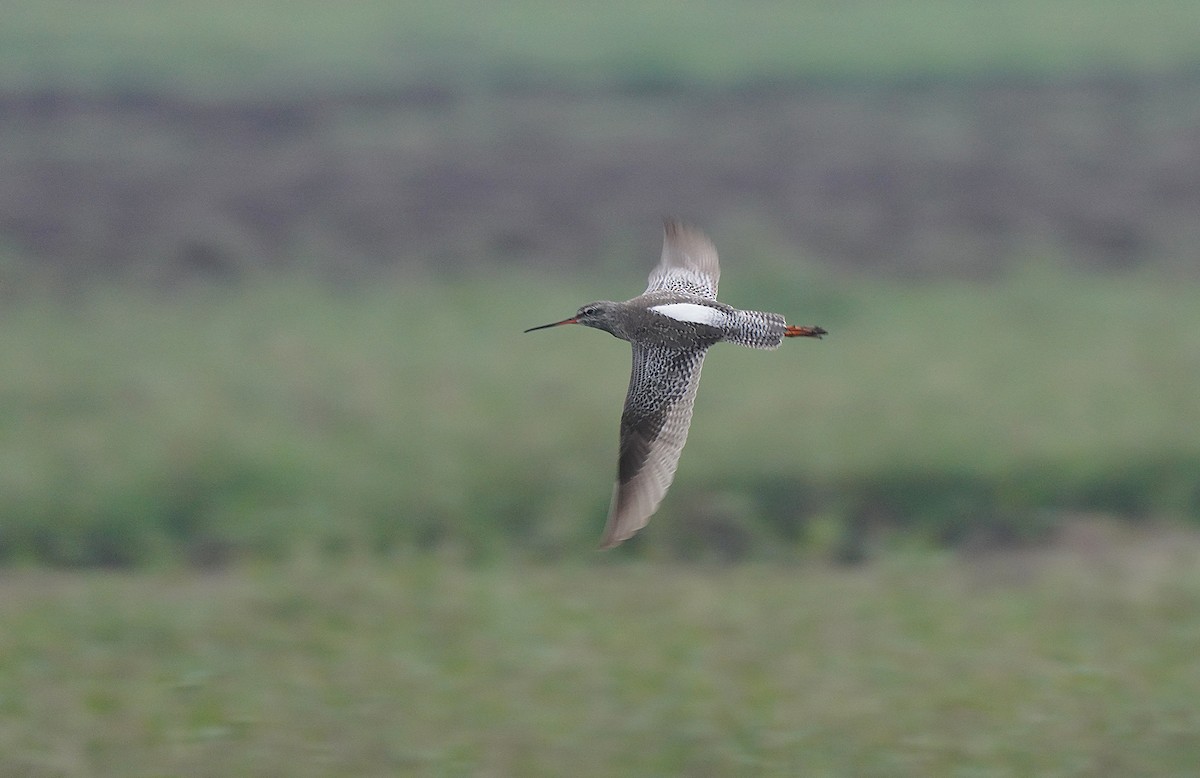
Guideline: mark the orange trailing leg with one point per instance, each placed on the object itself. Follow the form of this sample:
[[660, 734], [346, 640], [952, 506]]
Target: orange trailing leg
[[804, 332]]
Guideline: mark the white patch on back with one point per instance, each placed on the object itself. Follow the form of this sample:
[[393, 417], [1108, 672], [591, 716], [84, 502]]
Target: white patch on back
[[693, 312]]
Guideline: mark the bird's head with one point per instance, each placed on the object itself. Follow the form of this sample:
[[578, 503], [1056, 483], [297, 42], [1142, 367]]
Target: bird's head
[[597, 314]]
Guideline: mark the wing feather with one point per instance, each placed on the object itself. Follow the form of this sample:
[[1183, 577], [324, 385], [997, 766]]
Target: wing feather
[[689, 263], [654, 427]]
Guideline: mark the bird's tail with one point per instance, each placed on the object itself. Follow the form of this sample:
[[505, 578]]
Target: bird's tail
[[756, 329]]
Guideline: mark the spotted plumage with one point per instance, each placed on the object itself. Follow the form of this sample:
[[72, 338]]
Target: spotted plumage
[[671, 326]]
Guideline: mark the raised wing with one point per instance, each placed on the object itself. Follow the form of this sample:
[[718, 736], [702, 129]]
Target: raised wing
[[654, 427], [689, 263]]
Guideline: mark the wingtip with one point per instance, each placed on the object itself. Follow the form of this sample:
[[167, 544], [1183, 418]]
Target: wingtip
[[685, 237], [612, 537], [612, 541], [617, 528], [673, 225]]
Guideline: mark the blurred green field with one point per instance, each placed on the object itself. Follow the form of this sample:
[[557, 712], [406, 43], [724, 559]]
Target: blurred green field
[[284, 416], [1076, 661], [263, 274], [229, 48]]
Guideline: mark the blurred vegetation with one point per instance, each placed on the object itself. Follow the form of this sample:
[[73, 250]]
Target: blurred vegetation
[[285, 415], [268, 46], [159, 140], [1076, 661], [263, 269]]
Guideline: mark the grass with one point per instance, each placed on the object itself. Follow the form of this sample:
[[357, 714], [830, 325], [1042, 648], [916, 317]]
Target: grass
[[269, 418], [376, 476], [1072, 661], [269, 46]]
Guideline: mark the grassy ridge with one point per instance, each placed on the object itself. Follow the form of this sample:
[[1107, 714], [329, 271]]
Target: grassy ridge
[[237, 48], [287, 415], [1075, 662]]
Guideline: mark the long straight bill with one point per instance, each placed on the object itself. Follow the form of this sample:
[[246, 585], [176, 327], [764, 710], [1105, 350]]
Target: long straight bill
[[555, 324]]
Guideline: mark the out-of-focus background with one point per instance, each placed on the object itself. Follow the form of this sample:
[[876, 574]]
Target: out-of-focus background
[[285, 490]]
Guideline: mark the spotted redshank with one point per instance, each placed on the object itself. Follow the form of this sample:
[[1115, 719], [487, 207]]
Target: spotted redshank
[[671, 327]]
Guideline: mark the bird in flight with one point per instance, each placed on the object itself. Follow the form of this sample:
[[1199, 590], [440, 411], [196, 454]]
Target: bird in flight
[[671, 326]]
